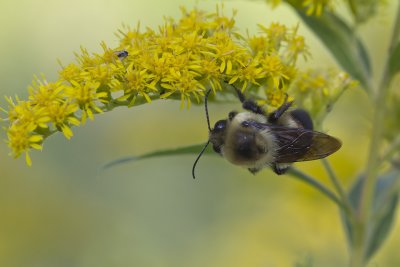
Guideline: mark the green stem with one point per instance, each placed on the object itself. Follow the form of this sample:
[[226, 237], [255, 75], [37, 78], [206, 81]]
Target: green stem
[[336, 183], [362, 215], [317, 185], [392, 150], [353, 8], [357, 249], [334, 179]]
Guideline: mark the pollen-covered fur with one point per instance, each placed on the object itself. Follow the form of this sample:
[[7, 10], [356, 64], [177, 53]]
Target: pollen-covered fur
[[246, 146]]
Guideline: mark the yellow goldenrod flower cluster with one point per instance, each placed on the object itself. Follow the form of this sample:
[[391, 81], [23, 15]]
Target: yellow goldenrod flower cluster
[[311, 7], [318, 90], [361, 10], [316, 7], [179, 60]]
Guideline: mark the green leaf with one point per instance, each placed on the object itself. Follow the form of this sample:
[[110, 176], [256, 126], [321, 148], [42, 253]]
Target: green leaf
[[193, 149], [354, 199], [363, 10], [307, 261], [384, 210], [394, 61], [343, 43], [385, 201]]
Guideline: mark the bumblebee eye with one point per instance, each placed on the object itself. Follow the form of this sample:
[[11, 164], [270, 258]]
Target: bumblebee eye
[[219, 126], [245, 124], [232, 114]]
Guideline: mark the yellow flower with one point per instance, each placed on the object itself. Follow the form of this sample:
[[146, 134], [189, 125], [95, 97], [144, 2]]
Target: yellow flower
[[221, 22], [315, 7], [274, 3], [72, 72], [86, 97], [180, 60], [27, 114], [318, 90], [225, 51], [276, 97], [21, 139], [211, 73], [86, 60], [276, 33], [249, 74], [138, 82], [193, 20], [311, 7], [44, 93], [274, 69], [184, 83], [62, 116], [296, 46]]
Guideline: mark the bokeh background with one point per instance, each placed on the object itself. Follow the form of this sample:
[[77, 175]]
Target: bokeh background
[[64, 211]]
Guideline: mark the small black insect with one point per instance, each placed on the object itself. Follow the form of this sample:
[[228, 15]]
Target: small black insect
[[122, 54]]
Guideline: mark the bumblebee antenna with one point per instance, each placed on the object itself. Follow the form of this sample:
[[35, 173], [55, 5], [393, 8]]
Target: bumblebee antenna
[[206, 108], [209, 129], [198, 157]]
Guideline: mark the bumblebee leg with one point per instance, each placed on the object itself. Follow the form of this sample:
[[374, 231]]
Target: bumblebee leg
[[252, 106], [253, 170], [241, 96], [248, 104], [280, 168], [274, 116]]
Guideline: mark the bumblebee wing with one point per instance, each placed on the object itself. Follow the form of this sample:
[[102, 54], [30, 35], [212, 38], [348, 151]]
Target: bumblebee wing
[[298, 144]]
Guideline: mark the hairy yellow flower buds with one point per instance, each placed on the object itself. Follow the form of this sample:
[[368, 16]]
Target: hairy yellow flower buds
[[179, 60]]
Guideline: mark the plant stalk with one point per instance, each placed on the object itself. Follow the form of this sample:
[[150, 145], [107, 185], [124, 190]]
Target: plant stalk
[[338, 187], [362, 214], [334, 179]]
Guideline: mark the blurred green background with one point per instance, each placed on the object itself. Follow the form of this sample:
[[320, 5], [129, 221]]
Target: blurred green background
[[63, 211]]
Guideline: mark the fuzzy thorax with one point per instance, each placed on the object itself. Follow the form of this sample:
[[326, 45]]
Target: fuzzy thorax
[[247, 146]]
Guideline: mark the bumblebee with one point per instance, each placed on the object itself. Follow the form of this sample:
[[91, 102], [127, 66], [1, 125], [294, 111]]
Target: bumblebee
[[255, 140]]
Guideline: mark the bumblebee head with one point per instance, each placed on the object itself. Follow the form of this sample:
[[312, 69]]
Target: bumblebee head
[[217, 135]]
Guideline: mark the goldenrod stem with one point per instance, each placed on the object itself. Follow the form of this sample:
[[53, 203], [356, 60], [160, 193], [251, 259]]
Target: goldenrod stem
[[394, 147], [339, 189], [362, 214], [334, 179]]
